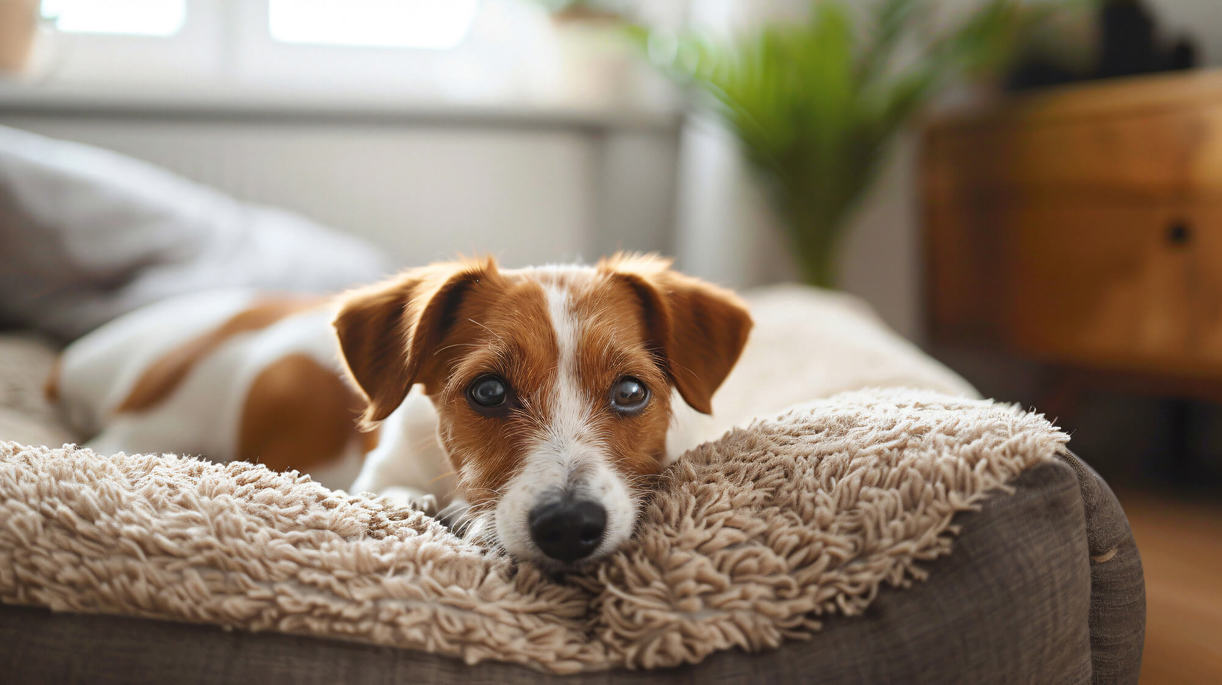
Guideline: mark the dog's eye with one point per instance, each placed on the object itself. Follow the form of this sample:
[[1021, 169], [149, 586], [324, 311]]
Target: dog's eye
[[487, 394], [629, 396]]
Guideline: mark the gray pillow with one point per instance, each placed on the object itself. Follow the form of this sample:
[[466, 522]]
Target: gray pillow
[[87, 235]]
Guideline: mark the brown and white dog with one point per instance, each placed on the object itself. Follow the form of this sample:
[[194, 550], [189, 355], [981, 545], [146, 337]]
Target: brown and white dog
[[540, 398]]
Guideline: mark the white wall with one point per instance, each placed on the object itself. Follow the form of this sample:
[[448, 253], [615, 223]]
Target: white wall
[[1199, 19], [725, 230], [528, 193], [882, 256]]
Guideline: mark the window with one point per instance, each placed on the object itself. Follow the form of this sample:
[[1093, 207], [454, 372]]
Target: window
[[485, 52], [130, 17], [426, 24]]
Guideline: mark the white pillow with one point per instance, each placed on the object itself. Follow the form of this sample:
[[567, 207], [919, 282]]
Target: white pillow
[[87, 234]]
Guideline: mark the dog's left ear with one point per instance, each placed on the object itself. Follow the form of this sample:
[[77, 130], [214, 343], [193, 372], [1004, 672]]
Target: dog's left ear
[[698, 328]]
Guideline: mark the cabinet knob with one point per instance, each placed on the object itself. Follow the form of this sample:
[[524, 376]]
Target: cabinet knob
[[1179, 233]]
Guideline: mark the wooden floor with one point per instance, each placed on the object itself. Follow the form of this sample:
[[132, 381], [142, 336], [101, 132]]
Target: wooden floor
[[1181, 552]]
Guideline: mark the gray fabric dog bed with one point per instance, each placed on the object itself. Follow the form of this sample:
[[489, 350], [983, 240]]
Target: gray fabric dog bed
[[878, 535]]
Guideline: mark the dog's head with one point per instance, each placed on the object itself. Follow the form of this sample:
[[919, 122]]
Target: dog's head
[[552, 385]]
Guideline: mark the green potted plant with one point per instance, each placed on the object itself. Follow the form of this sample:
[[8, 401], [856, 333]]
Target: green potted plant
[[816, 105]]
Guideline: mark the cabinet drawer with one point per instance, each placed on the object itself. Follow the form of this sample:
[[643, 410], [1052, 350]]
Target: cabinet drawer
[[1153, 137], [1083, 226], [1100, 284], [1204, 223]]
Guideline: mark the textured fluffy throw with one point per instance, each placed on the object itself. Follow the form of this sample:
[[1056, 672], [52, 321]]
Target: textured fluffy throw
[[751, 540]]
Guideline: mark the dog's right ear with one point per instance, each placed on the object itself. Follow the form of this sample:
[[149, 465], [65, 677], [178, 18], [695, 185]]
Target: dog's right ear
[[388, 331]]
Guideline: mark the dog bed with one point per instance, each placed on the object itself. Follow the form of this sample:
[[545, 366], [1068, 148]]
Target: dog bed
[[751, 539], [878, 534]]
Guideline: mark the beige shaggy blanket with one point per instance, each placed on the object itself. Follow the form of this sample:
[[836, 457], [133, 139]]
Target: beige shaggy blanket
[[751, 540]]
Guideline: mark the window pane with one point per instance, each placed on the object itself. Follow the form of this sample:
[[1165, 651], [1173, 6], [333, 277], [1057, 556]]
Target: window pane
[[133, 17], [432, 24]]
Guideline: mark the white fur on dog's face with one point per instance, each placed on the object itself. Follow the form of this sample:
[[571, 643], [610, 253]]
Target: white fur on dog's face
[[567, 455], [560, 339]]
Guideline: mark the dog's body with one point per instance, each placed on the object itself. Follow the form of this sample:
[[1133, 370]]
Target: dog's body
[[230, 374], [542, 398]]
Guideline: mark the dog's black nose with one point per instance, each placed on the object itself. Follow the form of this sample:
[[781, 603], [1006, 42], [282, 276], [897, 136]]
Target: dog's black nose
[[568, 529]]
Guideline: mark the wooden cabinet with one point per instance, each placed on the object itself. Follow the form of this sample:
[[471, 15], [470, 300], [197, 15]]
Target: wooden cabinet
[[1082, 227]]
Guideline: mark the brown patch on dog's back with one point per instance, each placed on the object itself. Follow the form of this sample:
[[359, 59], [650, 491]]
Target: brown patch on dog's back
[[298, 414], [165, 374]]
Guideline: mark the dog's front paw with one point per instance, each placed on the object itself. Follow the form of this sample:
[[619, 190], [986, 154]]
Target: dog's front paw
[[410, 498]]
